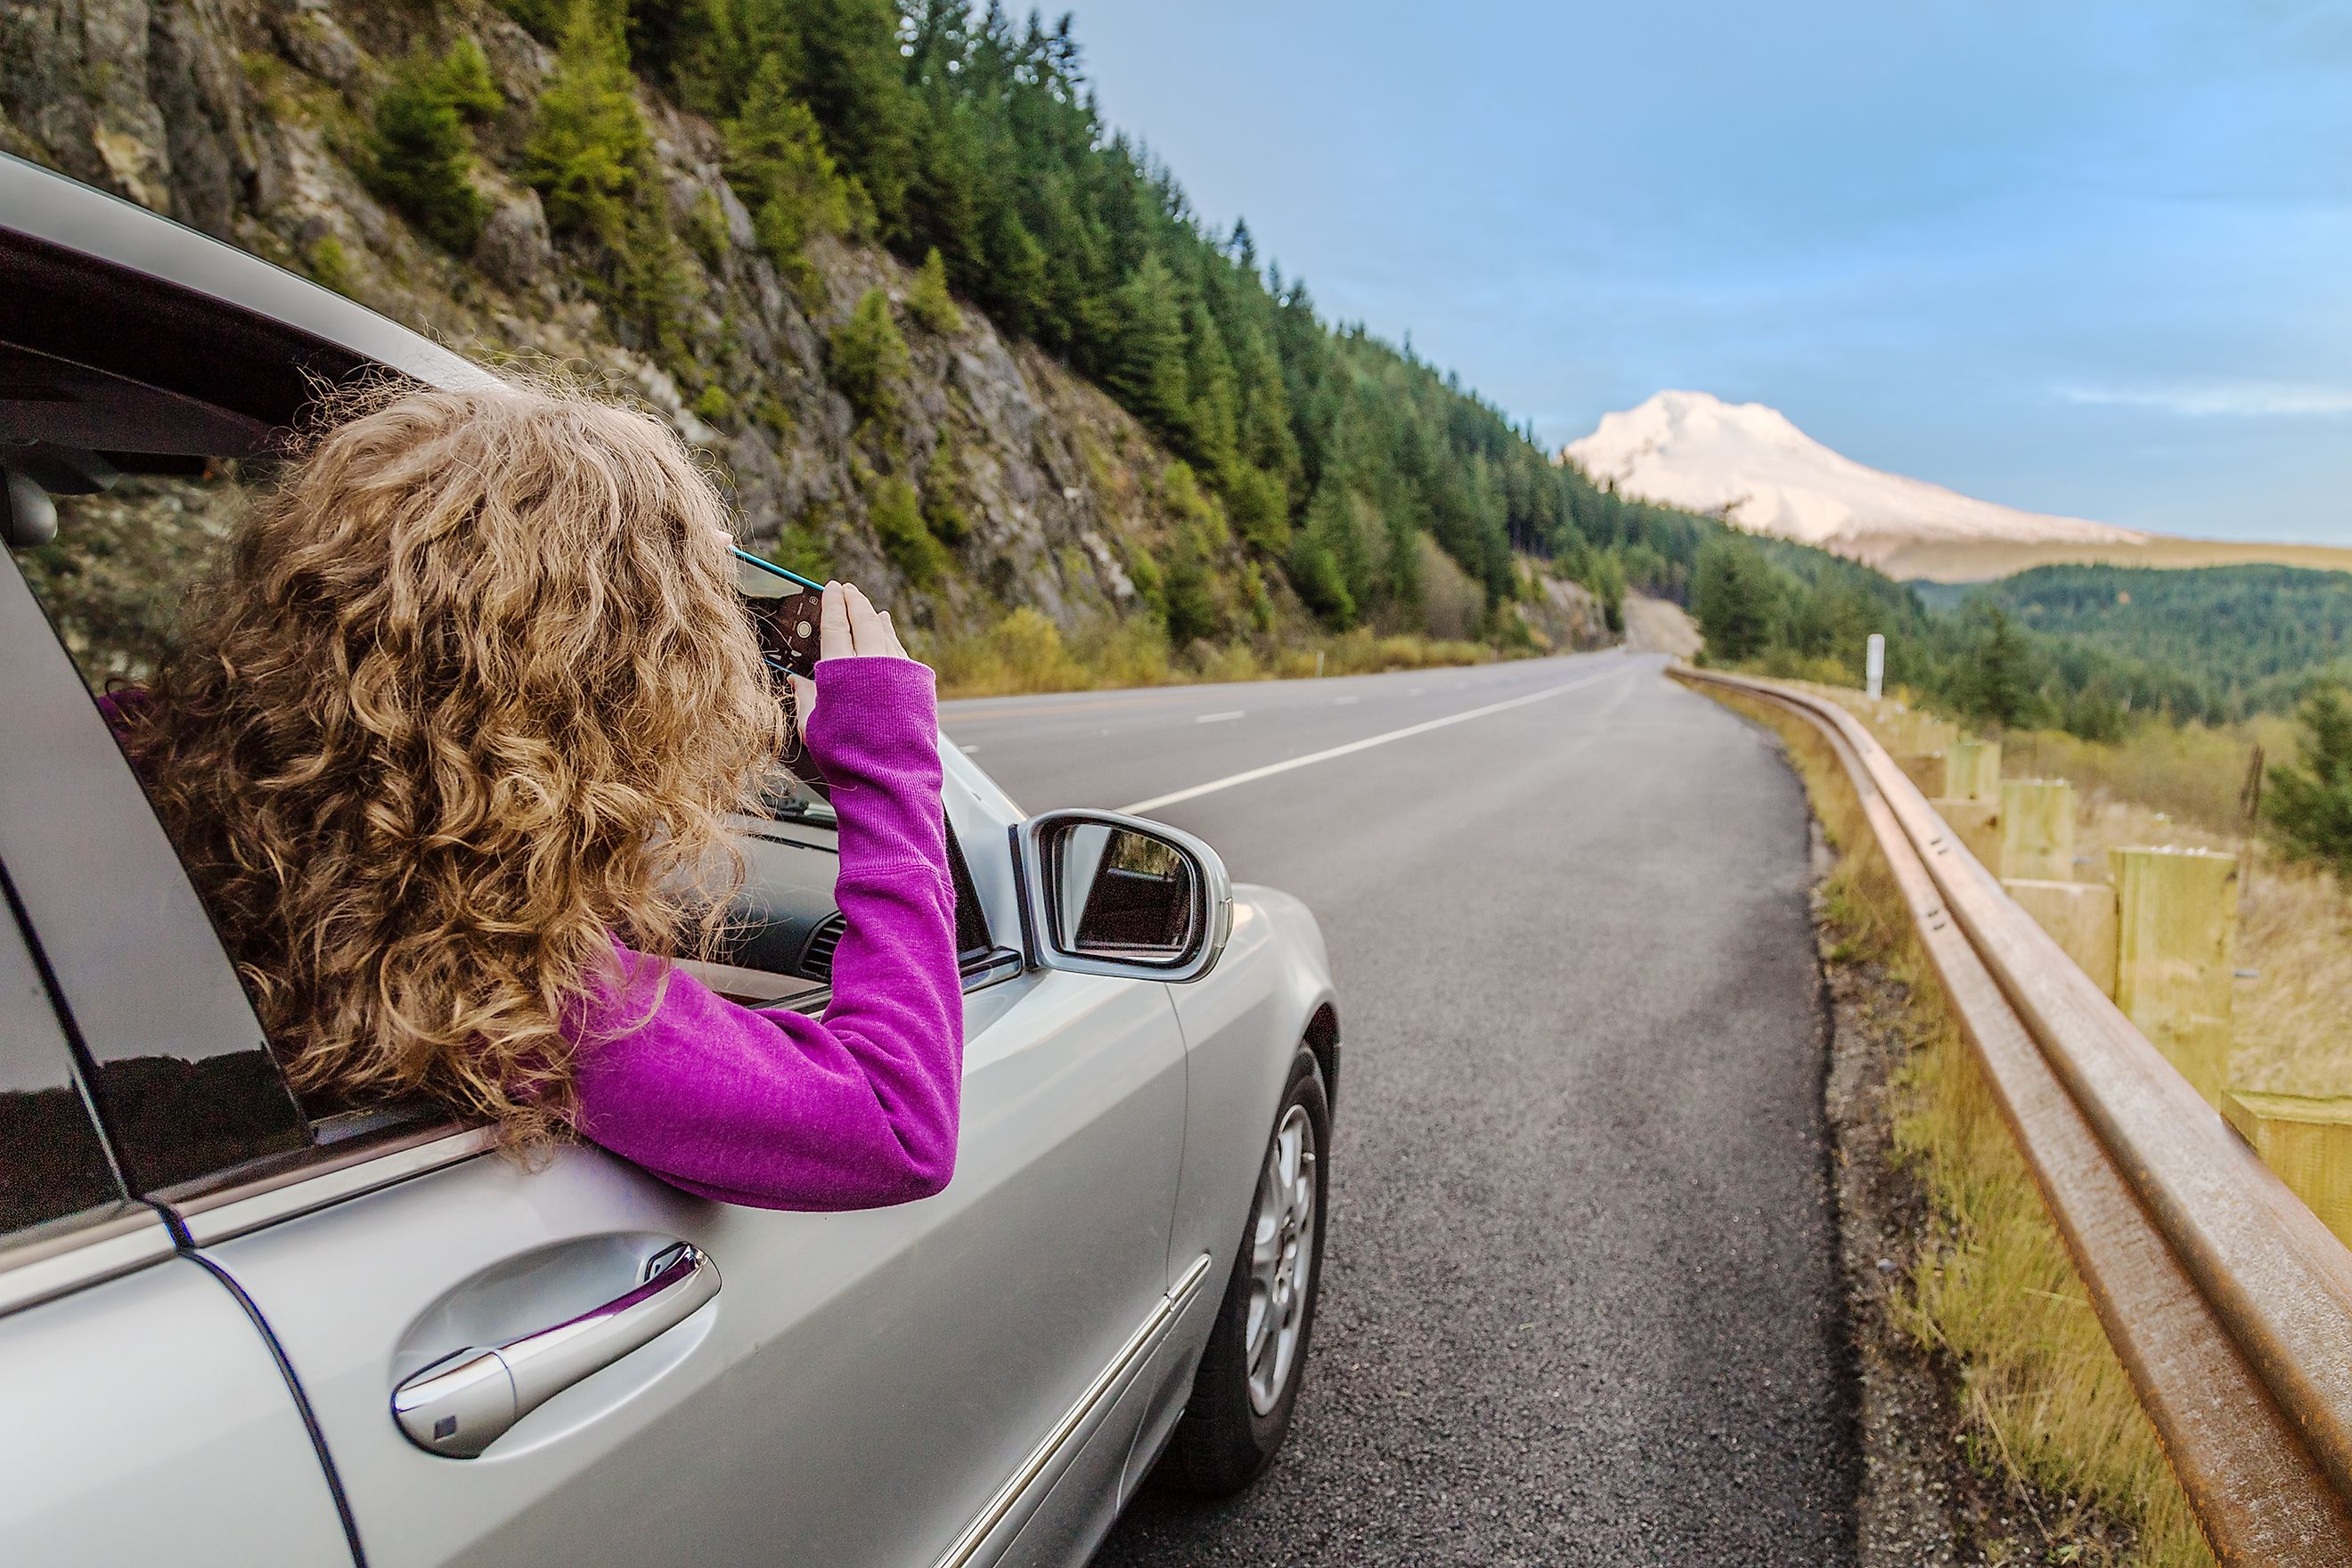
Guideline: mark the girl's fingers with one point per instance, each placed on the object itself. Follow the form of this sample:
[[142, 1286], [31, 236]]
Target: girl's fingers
[[833, 638], [867, 629], [803, 698]]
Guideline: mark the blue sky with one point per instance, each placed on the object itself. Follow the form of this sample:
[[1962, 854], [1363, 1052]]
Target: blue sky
[[2075, 258]]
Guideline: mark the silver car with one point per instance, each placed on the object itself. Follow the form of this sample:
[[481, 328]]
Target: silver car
[[236, 1332]]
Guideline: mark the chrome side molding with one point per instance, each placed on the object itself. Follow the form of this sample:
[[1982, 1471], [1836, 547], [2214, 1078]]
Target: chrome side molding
[[1041, 1459]]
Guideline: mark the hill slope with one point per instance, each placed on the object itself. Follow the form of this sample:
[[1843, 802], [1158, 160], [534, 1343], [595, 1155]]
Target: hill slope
[[1124, 420]]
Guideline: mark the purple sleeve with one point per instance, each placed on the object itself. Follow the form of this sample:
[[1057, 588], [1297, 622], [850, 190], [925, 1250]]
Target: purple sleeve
[[779, 1110]]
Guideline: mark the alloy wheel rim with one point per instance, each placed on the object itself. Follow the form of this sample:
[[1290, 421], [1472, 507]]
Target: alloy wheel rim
[[1282, 1258]]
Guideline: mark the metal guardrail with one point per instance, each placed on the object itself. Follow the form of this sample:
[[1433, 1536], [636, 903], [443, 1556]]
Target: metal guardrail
[[2227, 1300]]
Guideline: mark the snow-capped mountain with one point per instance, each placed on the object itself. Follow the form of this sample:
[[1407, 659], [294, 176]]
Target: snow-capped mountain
[[1748, 464]]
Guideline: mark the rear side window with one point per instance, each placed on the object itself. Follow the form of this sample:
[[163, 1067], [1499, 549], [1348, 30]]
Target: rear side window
[[52, 1163]]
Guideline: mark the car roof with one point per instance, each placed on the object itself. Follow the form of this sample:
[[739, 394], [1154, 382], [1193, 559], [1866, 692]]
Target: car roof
[[183, 307]]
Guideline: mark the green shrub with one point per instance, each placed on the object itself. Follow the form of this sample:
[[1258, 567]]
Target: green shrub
[[1258, 505], [929, 300], [705, 229], [866, 358], [466, 82], [1316, 574], [589, 149], [713, 405], [328, 264], [419, 154], [1149, 586], [2311, 805], [943, 511], [899, 524], [1192, 609]]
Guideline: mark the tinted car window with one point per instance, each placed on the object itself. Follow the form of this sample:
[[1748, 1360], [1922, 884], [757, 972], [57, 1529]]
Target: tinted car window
[[52, 1163]]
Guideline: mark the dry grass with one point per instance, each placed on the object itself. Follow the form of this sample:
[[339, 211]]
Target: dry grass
[[1992, 1290], [2293, 1001], [1026, 652], [2179, 786], [2191, 772]]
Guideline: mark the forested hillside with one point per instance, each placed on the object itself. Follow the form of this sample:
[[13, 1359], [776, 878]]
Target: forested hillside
[[1796, 611], [2251, 638]]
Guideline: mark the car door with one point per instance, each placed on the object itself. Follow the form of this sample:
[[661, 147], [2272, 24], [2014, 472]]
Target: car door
[[858, 1390]]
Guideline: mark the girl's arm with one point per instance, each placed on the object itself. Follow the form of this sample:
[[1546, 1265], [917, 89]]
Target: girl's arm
[[779, 1110]]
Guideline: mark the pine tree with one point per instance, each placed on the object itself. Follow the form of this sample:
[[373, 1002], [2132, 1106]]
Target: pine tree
[[420, 155], [845, 66], [776, 157], [929, 301], [2311, 804], [1732, 599], [867, 359], [1999, 688], [1147, 371], [590, 147], [466, 81]]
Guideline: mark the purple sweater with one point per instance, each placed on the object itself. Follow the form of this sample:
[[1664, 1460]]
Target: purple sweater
[[776, 1110], [779, 1111]]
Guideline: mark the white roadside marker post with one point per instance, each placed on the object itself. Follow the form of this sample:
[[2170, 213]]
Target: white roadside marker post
[[1873, 663]]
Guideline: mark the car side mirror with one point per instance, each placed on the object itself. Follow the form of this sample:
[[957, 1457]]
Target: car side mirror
[[1106, 894]]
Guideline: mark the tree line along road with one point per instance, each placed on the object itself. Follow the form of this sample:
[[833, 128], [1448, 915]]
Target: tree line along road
[[1579, 1300]]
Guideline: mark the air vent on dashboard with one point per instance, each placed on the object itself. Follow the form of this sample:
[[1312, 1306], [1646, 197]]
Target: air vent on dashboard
[[816, 958]]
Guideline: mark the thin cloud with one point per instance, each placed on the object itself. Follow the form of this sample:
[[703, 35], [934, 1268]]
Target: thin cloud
[[2223, 399]]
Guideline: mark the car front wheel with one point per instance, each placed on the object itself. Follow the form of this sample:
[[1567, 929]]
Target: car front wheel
[[1248, 1383]]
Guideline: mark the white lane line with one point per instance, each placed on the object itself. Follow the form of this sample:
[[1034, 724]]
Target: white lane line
[[970, 750], [1366, 745], [1343, 702], [1218, 718]]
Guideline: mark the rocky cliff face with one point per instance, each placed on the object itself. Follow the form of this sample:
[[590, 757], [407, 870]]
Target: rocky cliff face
[[242, 118]]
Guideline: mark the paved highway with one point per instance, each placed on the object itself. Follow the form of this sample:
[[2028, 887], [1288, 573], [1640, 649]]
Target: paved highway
[[1579, 1303]]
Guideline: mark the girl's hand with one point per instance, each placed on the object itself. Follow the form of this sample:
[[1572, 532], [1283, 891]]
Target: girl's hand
[[849, 627], [853, 628]]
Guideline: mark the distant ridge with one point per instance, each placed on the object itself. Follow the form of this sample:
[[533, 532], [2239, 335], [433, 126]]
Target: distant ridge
[[1750, 465]]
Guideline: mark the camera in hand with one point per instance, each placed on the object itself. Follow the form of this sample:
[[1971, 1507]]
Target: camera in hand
[[788, 630]]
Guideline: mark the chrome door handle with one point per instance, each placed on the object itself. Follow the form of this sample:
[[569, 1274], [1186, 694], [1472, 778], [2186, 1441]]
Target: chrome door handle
[[463, 1403]]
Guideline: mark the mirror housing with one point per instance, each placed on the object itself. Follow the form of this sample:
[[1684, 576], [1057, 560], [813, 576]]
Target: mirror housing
[[1102, 893]]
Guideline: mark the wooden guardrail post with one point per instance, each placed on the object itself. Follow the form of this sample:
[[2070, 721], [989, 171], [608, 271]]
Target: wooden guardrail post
[[1972, 770], [1977, 823], [2307, 1141], [1920, 746], [2079, 916], [2176, 932], [2037, 829]]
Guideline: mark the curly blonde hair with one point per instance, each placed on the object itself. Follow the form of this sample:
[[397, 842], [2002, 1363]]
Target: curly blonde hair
[[466, 700]]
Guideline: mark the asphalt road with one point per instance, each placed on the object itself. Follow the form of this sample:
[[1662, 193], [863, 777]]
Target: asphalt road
[[1579, 1300]]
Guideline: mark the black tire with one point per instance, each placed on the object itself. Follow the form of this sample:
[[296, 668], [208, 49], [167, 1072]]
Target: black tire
[[1224, 1441]]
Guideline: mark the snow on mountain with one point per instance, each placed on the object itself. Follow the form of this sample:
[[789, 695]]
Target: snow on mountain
[[1748, 464]]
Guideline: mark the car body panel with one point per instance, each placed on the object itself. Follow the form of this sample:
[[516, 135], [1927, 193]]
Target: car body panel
[[1241, 1036], [148, 1423]]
